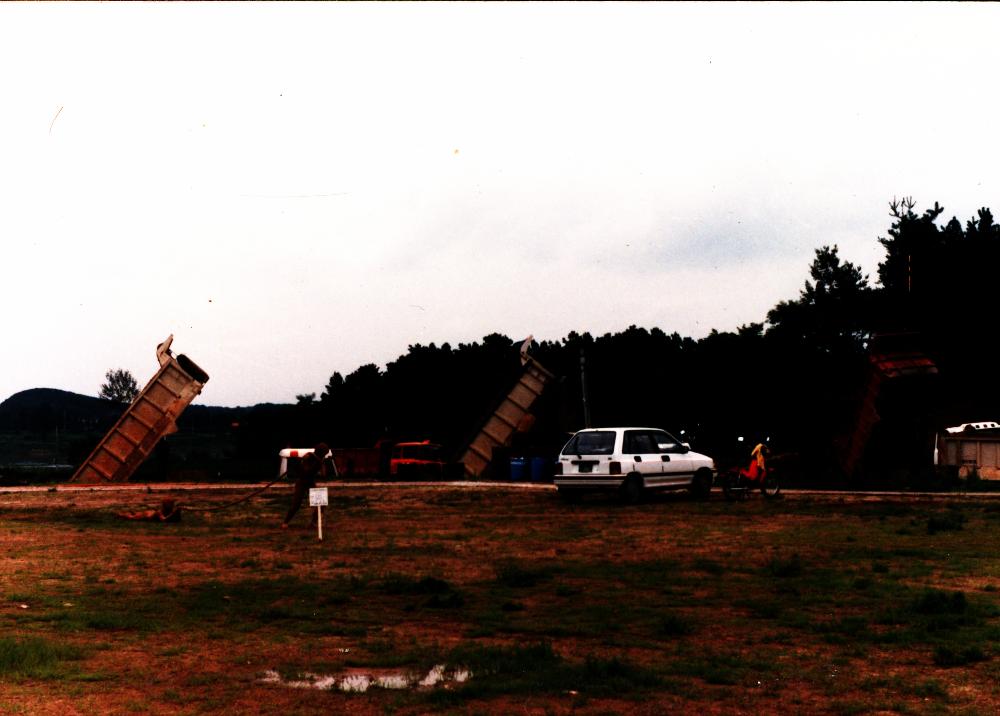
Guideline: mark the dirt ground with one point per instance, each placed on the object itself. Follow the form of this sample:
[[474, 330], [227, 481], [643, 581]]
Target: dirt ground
[[524, 604]]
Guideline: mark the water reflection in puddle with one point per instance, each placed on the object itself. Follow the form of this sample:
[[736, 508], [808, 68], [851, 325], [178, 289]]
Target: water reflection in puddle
[[360, 682]]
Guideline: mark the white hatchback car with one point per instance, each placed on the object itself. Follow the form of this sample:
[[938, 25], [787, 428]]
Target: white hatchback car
[[631, 460]]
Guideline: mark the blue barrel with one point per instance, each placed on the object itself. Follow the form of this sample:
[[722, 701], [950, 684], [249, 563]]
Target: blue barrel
[[517, 465], [539, 469]]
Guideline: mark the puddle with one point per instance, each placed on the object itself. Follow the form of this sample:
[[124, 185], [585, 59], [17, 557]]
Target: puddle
[[434, 676], [396, 681], [360, 682], [354, 682]]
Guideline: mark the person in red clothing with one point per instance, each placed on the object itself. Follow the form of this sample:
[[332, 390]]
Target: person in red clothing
[[311, 468]]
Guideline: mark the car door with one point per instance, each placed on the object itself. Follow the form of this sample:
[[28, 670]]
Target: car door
[[674, 459], [640, 451]]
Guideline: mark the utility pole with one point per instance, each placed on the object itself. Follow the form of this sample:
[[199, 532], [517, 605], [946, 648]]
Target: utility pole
[[583, 389]]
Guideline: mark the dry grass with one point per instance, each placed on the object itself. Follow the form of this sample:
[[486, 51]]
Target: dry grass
[[801, 605]]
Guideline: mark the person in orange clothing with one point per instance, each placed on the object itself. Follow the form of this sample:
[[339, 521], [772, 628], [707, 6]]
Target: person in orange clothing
[[758, 461]]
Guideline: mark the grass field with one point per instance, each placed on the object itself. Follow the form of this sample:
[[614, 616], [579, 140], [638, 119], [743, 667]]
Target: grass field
[[500, 602]]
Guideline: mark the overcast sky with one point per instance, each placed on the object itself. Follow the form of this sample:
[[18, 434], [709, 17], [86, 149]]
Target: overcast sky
[[293, 190]]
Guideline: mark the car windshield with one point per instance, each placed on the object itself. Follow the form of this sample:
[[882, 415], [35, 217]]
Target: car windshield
[[595, 442]]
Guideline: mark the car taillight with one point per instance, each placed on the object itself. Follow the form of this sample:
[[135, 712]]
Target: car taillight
[[614, 468], [557, 469]]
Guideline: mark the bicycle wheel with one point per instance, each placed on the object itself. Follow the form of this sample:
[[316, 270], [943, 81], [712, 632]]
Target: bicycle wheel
[[770, 487]]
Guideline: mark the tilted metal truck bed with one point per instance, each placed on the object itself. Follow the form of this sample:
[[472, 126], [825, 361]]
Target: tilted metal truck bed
[[515, 414], [150, 417]]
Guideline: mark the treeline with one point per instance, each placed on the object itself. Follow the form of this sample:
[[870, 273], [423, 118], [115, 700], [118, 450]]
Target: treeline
[[795, 377]]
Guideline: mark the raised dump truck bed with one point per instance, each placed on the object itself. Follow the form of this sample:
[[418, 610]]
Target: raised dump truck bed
[[514, 414], [150, 417], [893, 358]]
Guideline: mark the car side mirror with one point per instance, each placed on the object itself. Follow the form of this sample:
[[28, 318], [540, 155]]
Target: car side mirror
[[683, 448]]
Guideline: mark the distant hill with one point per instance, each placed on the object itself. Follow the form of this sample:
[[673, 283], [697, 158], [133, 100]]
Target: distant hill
[[46, 426], [46, 408], [42, 409]]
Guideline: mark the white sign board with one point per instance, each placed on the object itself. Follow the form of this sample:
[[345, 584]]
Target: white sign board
[[319, 497]]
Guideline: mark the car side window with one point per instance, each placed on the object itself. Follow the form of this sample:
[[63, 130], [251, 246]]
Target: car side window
[[629, 444], [639, 442], [665, 442]]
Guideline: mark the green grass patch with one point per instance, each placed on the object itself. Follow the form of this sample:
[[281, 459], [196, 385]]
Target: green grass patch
[[110, 620], [517, 575], [762, 608], [937, 601], [947, 655], [671, 625], [388, 653], [35, 658], [537, 669], [929, 689], [785, 567], [950, 521], [722, 669], [431, 592], [709, 566]]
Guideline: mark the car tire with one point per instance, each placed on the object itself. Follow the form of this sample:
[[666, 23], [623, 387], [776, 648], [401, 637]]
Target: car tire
[[633, 489], [701, 484]]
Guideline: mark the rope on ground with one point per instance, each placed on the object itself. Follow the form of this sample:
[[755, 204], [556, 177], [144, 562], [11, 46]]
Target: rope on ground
[[215, 508]]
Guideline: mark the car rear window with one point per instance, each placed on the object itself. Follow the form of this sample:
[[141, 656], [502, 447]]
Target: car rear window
[[599, 442]]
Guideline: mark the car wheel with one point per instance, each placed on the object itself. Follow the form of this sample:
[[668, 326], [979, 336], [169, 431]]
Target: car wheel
[[701, 485], [633, 489]]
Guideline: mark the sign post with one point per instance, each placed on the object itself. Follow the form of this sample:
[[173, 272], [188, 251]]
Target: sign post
[[319, 497]]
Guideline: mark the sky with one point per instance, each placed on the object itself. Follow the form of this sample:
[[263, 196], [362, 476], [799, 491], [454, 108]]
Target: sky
[[296, 189]]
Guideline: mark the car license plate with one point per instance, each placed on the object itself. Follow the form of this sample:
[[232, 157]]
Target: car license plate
[[586, 467]]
